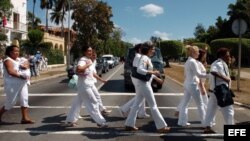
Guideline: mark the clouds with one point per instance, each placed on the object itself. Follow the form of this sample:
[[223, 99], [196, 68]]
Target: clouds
[[162, 35], [152, 10]]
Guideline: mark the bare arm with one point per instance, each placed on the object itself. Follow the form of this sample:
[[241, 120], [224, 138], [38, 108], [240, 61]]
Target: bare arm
[[226, 79], [99, 78]]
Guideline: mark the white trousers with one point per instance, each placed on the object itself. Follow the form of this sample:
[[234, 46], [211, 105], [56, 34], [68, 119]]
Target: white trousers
[[86, 95], [191, 91], [15, 89], [147, 93], [98, 97], [227, 112], [126, 107]]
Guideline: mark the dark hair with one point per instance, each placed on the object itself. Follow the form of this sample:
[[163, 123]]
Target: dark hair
[[9, 49], [85, 48], [145, 48], [221, 52], [201, 54], [137, 47]]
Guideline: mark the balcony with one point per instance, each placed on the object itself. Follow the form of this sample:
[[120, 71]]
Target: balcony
[[16, 27]]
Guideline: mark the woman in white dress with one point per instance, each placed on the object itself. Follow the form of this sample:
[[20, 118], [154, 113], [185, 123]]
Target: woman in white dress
[[86, 92], [15, 84]]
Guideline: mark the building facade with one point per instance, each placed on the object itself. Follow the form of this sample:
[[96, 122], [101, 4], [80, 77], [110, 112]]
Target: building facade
[[16, 25]]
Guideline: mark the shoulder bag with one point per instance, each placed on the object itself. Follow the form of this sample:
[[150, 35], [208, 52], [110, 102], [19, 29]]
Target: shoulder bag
[[223, 94], [137, 75]]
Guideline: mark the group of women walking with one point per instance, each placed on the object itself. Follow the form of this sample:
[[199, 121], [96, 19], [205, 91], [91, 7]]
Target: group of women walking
[[195, 75]]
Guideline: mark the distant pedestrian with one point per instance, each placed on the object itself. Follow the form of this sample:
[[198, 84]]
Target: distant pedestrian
[[15, 84], [219, 70]]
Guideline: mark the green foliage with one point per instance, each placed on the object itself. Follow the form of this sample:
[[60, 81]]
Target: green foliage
[[5, 8], [203, 46], [233, 45], [171, 48], [55, 56], [3, 37], [35, 43]]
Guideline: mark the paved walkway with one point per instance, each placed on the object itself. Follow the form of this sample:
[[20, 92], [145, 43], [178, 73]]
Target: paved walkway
[[52, 72], [243, 74]]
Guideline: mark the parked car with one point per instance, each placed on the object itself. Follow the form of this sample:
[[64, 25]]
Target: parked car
[[99, 67], [110, 59], [105, 67], [157, 62]]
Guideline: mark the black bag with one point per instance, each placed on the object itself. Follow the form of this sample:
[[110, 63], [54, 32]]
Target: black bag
[[224, 95], [137, 75]]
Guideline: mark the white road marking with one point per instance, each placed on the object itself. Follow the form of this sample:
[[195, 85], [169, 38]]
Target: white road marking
[[108, 133], [110, 107], [102, 94]]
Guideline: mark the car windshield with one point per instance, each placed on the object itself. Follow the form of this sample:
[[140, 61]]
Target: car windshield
[[108, 58]]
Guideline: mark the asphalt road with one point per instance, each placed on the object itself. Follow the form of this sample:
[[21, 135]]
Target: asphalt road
[[50, 101]]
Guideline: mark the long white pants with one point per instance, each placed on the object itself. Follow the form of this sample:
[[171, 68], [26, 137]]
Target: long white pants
[[98, 97], [147, 93], [14, 90], [126, 107], [85, 95], [191, 91], [227, 112]]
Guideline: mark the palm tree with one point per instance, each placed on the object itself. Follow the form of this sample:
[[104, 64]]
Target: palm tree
[[47, 4], [33, 19], [62, 6], [58, 17]]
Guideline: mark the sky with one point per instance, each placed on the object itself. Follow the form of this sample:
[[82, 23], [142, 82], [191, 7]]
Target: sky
[[167, 19]]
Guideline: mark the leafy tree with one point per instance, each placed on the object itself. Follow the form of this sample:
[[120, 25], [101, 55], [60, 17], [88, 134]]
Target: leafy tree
[[155, 40], [59, 13], [35, 43], [92, 21], [5, 8], [46, 4], [30, 17], [200, 33]]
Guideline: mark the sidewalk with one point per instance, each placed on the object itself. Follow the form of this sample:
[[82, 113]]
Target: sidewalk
[[243, 74], [52, 72]]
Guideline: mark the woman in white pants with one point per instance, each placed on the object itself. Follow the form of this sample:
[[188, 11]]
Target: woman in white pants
[[124, 109], [191, 87], [15, 84], [86, 92], [146, 67], [219, 69]]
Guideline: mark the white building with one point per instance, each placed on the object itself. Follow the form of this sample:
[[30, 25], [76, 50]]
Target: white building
[[16, 27]]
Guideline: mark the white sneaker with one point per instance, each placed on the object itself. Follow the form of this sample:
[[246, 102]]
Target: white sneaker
[[143, 116]]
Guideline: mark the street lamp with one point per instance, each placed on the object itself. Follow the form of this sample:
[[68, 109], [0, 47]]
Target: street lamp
[[68, 43]]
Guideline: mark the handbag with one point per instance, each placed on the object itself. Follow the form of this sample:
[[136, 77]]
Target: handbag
[[73, 82], [223, 93], [142, 77]]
